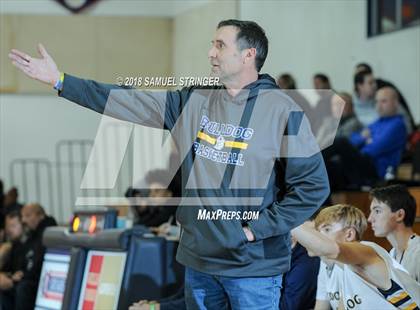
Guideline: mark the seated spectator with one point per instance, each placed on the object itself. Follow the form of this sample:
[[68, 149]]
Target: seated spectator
[[328, 286], [36, 221], [371, 151], [364, 97], [287, 84], [160, 212], [300, 282], [11, 200], [392, 215], [12, 285], [322, 108], [370, 279], [380, 83], [343, 117]]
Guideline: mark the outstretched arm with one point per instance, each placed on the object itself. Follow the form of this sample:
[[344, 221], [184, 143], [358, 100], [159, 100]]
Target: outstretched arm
[[154, 109]]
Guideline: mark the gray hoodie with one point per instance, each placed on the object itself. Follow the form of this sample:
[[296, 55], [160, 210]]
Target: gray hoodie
[[231, 150]]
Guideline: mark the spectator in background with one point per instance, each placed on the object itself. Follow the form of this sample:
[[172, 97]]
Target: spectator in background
[[12, 286], [343, 116], [286, 81], [370, 153], [384, 140], [380, 83], [160, 212], [300, 282], [364, 97], [36, 221], [322, 109], [392, 215], [288, 85], [11, 200]]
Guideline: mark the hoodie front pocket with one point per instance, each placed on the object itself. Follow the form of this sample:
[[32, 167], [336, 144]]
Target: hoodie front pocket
[[220, 241]]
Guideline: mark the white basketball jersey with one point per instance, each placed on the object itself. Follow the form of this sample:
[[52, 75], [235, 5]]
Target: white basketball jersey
[[358, 294], [329, 280]]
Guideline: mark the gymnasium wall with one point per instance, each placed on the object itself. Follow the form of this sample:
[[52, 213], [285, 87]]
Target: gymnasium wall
[[193, 31], [330, 36]]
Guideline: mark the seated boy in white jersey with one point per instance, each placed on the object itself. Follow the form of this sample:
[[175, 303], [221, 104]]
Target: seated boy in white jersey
[[328, 286], [392, 215], [370, 278]]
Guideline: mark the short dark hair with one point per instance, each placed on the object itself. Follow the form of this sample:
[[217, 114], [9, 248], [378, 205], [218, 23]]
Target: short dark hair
[[323, 77], [13, 214], [359, 78], [289, 80], [250, 35], [397, 197], [365, 66]]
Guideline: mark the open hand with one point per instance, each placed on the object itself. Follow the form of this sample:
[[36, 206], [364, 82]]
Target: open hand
[[42, 69]]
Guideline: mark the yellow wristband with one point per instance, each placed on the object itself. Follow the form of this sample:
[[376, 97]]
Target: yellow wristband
[[59, 85]]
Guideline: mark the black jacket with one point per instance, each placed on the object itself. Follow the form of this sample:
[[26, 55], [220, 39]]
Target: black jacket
[[34, 250]]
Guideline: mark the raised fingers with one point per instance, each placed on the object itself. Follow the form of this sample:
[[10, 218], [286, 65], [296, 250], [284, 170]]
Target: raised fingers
[[18, 59], [20, 54]]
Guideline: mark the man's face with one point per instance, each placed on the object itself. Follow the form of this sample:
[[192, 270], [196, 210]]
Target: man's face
[[14, 229], [386, 105], [225, 58], [334, 231], [368, 87], [30, 218], [382, 219]]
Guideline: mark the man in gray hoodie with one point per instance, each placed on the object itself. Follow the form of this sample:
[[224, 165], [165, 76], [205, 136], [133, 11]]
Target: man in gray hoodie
[[245, 147]]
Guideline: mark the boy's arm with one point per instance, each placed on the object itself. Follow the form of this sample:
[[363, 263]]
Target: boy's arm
[[351, 253]]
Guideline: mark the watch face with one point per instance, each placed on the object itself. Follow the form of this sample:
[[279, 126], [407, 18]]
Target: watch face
[[76, 6]]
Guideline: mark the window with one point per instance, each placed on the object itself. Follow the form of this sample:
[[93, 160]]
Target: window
[[390, 15]]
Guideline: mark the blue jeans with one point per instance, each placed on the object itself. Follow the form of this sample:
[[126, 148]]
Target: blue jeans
[[204, 291]]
